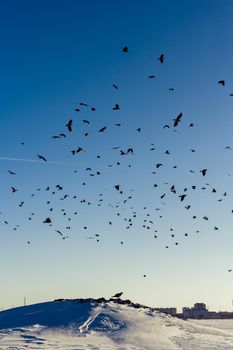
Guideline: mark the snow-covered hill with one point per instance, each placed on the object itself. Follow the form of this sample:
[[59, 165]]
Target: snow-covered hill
[[102, 324]]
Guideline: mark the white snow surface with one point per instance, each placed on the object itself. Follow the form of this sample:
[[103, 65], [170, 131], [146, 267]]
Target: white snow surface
[[76, 325]]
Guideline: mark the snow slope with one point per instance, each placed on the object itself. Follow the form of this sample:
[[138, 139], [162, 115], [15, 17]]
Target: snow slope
[[91, 324]]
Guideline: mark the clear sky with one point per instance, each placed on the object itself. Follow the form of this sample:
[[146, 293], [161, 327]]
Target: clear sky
[[56, 54]]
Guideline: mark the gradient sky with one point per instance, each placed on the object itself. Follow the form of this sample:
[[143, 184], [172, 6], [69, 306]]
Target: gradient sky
[[55, 54]]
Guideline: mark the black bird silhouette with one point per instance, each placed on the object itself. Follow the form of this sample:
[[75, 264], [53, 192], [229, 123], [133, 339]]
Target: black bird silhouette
[[42, 157], [86, 121], [203, 172], [116, 107], [13, 189], [117, 295], [47, 221], [79, 149], [83, 104], [115, 86], [59, 232], [158, 165], [125, 49], [161, 58], [70, 125], [151, 76], [182, 197], [221, 82], [177, 119], [11, 172], [102, 129]]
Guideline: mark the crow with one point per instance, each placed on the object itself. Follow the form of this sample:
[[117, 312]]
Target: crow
[[203, 172], [125, 49], [47, 221], [117, 295], [161, 58], [116, 107], [158, 165], [177, 119], [42, 157], [182, 197], [70, 125], [221, 82]]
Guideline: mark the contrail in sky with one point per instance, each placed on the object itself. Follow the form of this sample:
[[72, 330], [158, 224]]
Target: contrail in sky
[[35, 161]]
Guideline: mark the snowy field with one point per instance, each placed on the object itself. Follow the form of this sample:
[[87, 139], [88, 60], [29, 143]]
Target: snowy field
[[225, 325], [72, 325]]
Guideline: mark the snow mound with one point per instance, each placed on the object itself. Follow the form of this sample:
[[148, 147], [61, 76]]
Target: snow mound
[[95, 324]]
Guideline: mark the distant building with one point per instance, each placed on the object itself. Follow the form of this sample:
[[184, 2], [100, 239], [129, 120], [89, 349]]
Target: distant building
[[168, 310], [199, 310]]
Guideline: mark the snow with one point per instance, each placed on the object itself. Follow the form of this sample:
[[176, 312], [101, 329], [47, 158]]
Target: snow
[[92, 325]]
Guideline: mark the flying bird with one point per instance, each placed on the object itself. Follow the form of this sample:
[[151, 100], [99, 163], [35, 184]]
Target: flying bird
[[221, 82], [116, 107], [47, 221], [102, 129], [70, 125], [161, 58], [203, 172], [125, 49], [182, 197], [42, 157], [117, 295], [177, 119]]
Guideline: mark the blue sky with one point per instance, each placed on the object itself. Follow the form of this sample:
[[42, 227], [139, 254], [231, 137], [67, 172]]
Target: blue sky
[[58, 53]]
